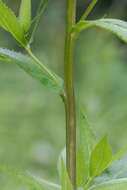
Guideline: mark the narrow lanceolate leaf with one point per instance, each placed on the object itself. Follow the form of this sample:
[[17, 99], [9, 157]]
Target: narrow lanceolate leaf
[[115, 26], [22, 178], [100, 158], [33, 69], [119, 184], [82, 170], [47, 185], [66, 185], [42, 7], [10, 23], [25, 15], [87, 138], [118, 155], [33, 183]]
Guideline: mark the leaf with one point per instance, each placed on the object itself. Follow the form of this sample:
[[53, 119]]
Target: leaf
[[116, 26], [25, 15], [41, 9], [59, 165], [87, 138], [31, 182], [119, 184], [29, 66], [66, 185], [119, 154], [116, 170], [10, 23], [82, 170], [100, 158]]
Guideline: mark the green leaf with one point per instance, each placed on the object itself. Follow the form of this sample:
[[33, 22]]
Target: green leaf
[[29, 66], [41, 9], [87, 138], [59, 165], [116, 26], [119, 154], [100, 158], [116, 170], [27, 180], [66, 185], [119, 184], [10, 23], [25, 15], [82, 170]]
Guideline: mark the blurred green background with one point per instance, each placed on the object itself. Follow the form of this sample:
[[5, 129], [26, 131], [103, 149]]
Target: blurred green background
[[32, 120]]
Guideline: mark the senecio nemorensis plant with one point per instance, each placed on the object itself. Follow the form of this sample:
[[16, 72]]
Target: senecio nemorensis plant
[[92, 166]]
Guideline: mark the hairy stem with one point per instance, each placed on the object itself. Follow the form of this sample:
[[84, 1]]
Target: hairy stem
[[69, 90], [89, 9]]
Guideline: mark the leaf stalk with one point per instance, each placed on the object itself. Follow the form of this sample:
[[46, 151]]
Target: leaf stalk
[[88, 10]]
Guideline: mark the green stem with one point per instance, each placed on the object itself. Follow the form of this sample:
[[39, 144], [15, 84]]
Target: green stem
[[69, 90], [89, 9]]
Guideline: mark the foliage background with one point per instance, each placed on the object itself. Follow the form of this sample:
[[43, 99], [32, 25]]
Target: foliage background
[[32, 120]]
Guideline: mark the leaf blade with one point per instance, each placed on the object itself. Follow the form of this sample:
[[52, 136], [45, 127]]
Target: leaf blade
[[115, 26], [82, 170], [25, 15], [100, 157], [66, 185], [111, 185], [87, 138], [33, 183], [11, 23], [30, 67]]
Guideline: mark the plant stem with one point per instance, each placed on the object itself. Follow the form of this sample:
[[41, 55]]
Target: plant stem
[[89, 9], [69, 90]]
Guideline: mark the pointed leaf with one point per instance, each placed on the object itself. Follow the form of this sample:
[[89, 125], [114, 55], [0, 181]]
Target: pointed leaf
[[27, 180], [118, 155], [82, 170], [116, 26], [87, 138], [100, 158], [66, 185], [9, 22], [25, 15], [29, 66], [119, 184]]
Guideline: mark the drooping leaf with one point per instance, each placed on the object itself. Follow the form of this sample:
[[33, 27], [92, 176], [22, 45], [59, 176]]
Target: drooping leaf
[[46, 184], [25, 15], [66, 185], [29, 66], [115, 26], [87, 138], [82, 170], [10, 23], [41, 8], [25, 179], [119, 184], [100, 158]]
